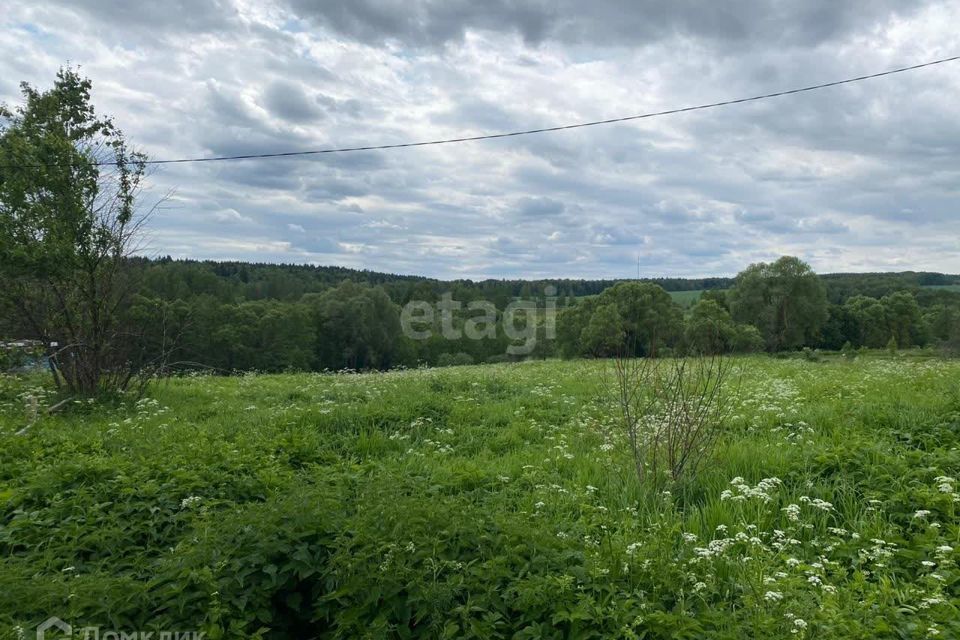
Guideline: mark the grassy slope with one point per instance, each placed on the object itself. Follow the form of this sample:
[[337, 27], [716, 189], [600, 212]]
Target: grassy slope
[[478, 501]]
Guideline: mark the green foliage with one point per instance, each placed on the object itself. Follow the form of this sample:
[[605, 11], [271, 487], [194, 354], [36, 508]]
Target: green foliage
[[710, 329], [747, 339], [358, 327], [207, 306], [68, 222], [848, 351], [604, 335], [454, 359], [785, 300], [892, 345], [629, 317], [482, 502]]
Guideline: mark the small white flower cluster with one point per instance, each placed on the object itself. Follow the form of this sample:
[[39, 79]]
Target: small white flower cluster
[[763, 491], [946, 484], [188, 502], [799, 624], [714, 548], [881, 550], [817, 503]]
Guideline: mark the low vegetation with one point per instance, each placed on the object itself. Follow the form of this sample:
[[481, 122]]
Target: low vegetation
[[496, 501]]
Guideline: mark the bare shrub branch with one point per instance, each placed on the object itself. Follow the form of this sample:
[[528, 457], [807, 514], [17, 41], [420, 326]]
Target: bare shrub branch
[[672, 412]]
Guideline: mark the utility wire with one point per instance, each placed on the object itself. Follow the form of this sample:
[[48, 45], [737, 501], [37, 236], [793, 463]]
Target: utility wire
[[526, 132]]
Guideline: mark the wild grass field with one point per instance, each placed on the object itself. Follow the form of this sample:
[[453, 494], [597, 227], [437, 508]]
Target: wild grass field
[[494, 501]]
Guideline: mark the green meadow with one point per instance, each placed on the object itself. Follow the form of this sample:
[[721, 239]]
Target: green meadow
[[494, 501], [688, 298]]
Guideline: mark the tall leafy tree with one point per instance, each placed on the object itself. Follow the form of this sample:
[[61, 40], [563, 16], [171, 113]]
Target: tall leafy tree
[[358, 327], [571, 322], [905, 321], [870, 318], [650, 317], [68, 223], [709, 328], [785, 300], [840, 328], [603, 336]]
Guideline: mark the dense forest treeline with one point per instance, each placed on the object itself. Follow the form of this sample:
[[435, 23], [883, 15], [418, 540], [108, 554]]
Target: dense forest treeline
[[238, 316], [243, 316], [172, 279], [232, 281]]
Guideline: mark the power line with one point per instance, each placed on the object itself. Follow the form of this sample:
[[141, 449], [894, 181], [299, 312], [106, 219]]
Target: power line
[[526, 132]]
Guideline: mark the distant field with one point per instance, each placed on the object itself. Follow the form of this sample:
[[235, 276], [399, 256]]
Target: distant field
[[684, 298], [688, 298], [492, 501]]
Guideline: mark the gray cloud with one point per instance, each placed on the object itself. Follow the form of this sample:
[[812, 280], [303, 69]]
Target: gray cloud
[[856, 177], [539, 207], [180, 15], [289, 101], [601, 22]]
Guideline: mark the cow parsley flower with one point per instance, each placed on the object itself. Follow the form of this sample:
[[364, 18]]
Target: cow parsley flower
[[186, 503]]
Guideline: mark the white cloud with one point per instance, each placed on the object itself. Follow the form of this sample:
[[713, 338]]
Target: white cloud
[[230, 215]]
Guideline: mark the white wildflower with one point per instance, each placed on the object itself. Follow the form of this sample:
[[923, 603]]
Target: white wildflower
[[186, 503]]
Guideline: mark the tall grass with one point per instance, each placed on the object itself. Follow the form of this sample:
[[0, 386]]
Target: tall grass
[[490, 501]]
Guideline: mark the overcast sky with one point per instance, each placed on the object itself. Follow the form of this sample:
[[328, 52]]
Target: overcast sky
[[854, 178]]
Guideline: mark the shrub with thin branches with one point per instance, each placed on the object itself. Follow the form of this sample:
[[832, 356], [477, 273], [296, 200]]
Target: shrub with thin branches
[[672, 412]]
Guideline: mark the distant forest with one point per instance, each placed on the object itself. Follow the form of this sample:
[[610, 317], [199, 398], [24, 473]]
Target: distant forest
[[238, 316], [231, 281]]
